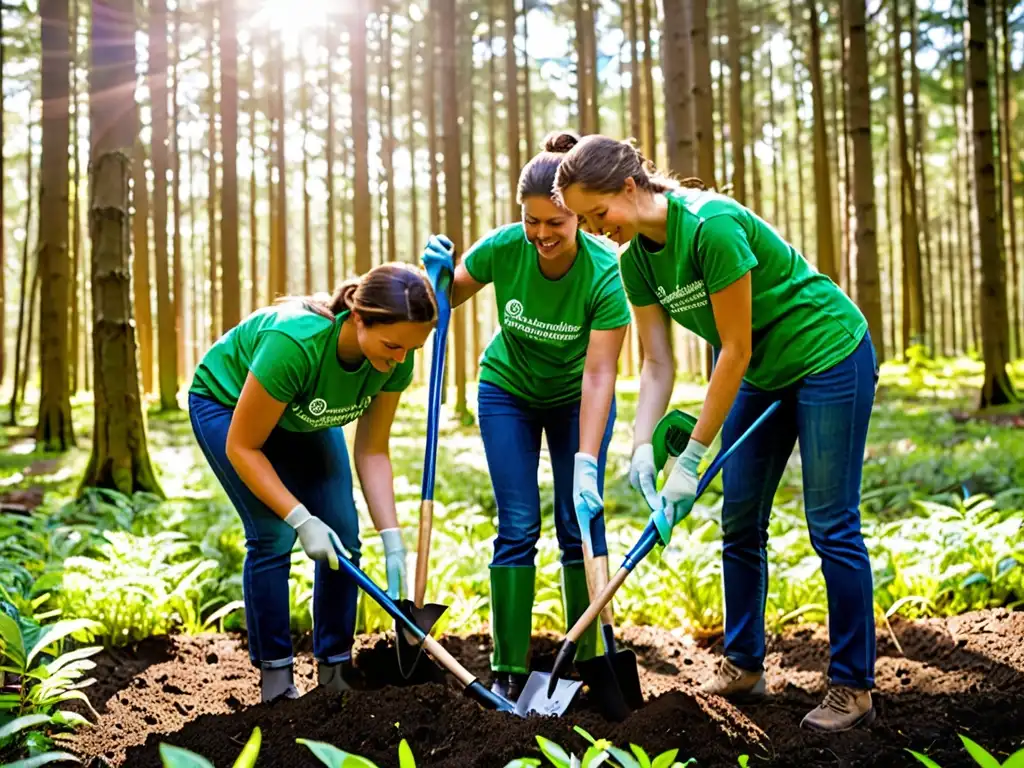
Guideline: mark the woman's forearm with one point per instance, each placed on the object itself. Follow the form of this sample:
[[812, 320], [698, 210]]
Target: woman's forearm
[[376, 478], [725, 383], [656, 381], [598, 390], [258, 474]]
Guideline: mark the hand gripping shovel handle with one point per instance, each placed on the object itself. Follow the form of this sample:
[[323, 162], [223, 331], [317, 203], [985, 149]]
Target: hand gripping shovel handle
[[650, 537], [441, 280], [473, 687]]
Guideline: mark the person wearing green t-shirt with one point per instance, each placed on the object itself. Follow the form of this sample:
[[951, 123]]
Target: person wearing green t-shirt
[[267, 403], [549, 369], [781, 331]]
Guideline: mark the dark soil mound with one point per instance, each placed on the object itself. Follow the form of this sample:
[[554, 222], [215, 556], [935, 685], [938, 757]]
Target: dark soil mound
[[935, 679]]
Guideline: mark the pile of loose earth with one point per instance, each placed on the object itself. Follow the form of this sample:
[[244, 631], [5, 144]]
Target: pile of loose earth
[[935, 678]]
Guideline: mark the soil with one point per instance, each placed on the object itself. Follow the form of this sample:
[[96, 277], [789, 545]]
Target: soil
[[935, 679]]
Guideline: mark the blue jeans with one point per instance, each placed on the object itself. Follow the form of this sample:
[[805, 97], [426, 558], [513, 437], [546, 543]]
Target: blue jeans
[[829, 412], [315, 467], [511, 430]]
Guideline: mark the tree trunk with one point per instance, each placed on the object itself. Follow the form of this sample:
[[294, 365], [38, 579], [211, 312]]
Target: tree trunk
[[527, 91], [623, 117], [192, 334], [25, 285], [270, 80], [1013, 278], [635, 109], [492, 112], [469, 99], [582, 108], [511, 106], [54, 431], [650, 139], [739, 169], [677, 65], [389, 145], [410, 81], [822, 178], [360, 137], [723, 106], [924, 225], [281, 189], [779, 204], [755, 131], [33, 322], [140, 261], [166, 335], [329, 38], [76, 178], [997, 388], [430, 93], [119, 458], [254, 239], [445, 18], [177, 269], [3, 229], [835, 172], [891, 239], [797, 142], [858, 107], [703, 103], [212, 196], [230, 311], [960, 323], [307, 233]]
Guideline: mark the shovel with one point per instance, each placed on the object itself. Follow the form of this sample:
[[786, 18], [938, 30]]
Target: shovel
[[640, 550], [472, 686], [427, 615]]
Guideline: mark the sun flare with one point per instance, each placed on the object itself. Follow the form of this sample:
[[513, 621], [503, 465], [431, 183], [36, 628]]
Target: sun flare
[[294, 18]]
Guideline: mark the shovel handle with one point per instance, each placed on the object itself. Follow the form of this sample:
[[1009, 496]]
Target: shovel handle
[[597, 605], [423, 550]]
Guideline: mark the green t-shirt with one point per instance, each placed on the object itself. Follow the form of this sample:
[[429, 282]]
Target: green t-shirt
[[539, 351], [292, 351], [802, 322]]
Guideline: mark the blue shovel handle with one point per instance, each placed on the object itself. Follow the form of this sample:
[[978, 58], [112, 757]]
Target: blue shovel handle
[[649, 538], [440, 279]]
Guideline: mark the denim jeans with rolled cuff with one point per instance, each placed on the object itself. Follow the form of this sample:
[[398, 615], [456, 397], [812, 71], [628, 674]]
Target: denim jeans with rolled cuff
[[829, 413], [314, 466]]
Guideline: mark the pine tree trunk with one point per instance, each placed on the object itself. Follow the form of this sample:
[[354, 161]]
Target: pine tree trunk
[[511, 107], [343, 210], [924, 226], [410, 80], [594, 82], [361, 138], [254, 238], [960, 322], [445, 19], [755, 133], [835, 172], [650, 140], [430, 93], [231, 310], [54, 431], [273, 225], [739, 168], [389, 139], [797, 141], [281, 188], [140, 261], [527, 90], [827, 263], [192, 333], [780, 205], [76, 178], [166, 341], [3, 230], [677, 65], [623, 118], [212, 197], [703, 104], [25, 285], [858, 107], [119, 458], [307, 233], [492, 112], [582, 110], [177, 268], [635, 113], [33, 323], [329, 38], [469, 99], [997, 388], [1013, 277]]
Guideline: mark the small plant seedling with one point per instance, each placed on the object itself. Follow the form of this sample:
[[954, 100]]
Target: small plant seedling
[[332, 757], [176, 757], [981, 756]]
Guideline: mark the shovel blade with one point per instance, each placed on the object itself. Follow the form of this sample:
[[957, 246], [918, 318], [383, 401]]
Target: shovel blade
[[535, 699], [628, 676], [408, 647], [603, 687]]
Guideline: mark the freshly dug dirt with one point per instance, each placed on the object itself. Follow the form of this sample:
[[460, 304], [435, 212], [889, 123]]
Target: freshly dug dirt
[[945, 677]]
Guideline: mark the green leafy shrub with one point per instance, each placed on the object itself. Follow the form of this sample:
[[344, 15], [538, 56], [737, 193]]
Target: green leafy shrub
[[980, 755]]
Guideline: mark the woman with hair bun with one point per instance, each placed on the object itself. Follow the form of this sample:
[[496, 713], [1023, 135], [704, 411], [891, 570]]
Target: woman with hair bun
[[267, 405], [549, 369], [782, 331]]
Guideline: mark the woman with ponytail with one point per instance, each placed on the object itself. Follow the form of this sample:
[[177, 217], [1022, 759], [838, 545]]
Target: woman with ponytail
[[549, 369], [781, 331], [267, 405]]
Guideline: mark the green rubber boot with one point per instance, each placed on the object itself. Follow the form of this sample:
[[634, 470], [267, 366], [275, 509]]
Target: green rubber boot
[[511, 617], [576, 599]]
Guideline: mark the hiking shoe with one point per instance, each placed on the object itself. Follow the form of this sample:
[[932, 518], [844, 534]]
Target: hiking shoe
[[333, 676], [735, 683], [842, 709]]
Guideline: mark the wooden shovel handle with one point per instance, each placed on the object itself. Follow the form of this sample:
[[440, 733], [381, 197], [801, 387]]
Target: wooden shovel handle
[[423, 550]]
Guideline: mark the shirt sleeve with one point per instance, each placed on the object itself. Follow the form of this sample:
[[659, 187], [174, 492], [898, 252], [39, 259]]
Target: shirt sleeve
[[479, 261], [281, 365], [637, 289], [610, 307], [723, 252], [401, 377]]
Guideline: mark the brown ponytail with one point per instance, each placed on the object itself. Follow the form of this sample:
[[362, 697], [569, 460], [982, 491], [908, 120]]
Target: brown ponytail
[[388, 293]]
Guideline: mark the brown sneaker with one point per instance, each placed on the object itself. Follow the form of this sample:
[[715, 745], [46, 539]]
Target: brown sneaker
[[735, 683], [842, 709]]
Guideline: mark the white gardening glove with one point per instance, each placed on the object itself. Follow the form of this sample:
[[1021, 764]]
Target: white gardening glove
[[642, 473], [317, 539], [394, 562], [679, 492]]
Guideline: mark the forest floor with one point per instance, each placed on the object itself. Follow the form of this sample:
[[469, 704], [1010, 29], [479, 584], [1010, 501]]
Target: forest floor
[[936, 678]]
